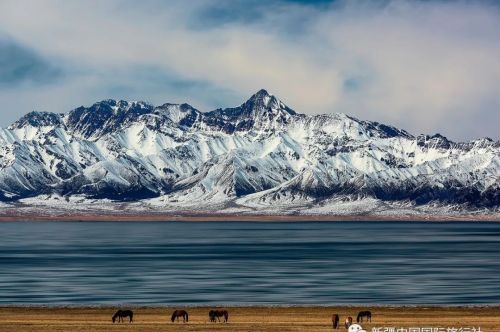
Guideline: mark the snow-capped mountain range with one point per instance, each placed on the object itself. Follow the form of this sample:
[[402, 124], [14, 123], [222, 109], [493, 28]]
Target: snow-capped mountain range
[[257, 155]]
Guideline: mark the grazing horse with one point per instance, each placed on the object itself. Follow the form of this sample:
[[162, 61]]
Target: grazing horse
[[335, 321], [366, 314], [348, 322], [213, 314], [180, 313], [123, 313]]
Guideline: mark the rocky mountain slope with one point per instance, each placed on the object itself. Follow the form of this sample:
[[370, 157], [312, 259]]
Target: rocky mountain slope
[[259, 154]]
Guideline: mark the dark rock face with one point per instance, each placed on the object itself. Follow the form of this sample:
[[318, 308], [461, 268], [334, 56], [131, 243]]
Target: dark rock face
[[385, 131], [451, 193], [192, 115], [105, 117], [434, 141], [38, 119], [261, 106]]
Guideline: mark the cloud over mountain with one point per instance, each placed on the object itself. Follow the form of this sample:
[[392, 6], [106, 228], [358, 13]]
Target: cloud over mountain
[[425, 66]]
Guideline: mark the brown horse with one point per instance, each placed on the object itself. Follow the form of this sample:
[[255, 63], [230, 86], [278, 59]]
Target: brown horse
[[180, 313], [362, 314], [213, 314], [335, 321], [348, 322], [123, 313]]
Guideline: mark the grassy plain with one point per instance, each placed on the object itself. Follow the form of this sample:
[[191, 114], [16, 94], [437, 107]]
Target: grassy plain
[[42, 319]]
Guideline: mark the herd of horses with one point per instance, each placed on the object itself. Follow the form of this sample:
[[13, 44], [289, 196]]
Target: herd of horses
[[215, 315], [348, 321]]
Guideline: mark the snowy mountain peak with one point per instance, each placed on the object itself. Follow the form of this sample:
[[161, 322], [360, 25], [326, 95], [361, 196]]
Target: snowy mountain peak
[[263, 100], [261, 97], [258, 154], [105, 116], [261, 93], [262, 110], [38, 119], [182, 114]]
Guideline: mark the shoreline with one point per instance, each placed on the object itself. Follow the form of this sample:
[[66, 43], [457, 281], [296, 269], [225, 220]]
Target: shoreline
[[159, 217], [250, 306]]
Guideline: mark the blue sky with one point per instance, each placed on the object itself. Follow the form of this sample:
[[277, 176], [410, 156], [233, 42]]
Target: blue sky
[[424, 66]]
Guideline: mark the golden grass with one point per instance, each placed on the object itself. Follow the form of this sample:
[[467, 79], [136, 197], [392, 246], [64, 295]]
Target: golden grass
[[246, 319]]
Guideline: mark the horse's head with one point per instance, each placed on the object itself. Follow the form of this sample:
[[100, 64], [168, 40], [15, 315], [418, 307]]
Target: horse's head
[[113, 318]]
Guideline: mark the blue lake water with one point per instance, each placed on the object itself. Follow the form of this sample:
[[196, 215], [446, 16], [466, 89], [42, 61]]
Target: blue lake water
[[249, 263]]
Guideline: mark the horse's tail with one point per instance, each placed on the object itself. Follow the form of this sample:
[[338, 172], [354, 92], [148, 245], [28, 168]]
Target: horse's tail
[[226, 316], [187, 317], [357, 318], [131, 317]]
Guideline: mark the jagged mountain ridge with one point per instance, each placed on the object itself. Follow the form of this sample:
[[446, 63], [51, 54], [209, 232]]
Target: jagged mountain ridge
[[261, 152]]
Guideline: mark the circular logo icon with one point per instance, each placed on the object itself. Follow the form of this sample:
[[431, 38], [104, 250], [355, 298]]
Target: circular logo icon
[[355, 328]]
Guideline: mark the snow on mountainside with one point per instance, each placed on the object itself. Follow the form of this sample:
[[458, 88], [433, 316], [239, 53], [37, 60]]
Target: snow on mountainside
[[256, 156]]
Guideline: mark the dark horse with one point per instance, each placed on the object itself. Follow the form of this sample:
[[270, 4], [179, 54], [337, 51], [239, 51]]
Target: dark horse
[[366, 314], [123, 313], [180, 313], [335, 321], [348, 322], [213, 314]]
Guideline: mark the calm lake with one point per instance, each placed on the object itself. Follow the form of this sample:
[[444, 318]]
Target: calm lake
[[249, 263]]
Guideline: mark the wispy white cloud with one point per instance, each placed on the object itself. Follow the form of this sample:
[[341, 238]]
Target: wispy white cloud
[[425, 66]]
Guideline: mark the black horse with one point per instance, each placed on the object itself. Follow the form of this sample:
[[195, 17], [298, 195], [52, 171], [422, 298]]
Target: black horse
[[366, 314], [123, 313]]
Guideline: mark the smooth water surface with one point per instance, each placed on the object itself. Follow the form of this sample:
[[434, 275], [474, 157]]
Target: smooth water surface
[[249, 263]]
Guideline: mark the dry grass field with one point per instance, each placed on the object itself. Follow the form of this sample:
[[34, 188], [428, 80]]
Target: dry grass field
[[250, 319]]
